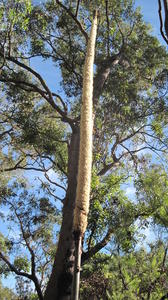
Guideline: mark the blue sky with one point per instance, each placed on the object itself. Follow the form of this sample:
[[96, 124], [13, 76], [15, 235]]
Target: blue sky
[[150, 12], [51, 75]]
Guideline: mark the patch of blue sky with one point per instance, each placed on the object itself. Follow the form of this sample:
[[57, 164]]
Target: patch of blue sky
[[146, 234], [50, 72], [9, 282], [149, 9]]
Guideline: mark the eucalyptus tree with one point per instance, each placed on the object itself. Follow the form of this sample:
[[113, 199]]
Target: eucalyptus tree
[[40, 122]]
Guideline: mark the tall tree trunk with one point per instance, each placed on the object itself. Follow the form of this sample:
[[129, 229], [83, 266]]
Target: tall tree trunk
[[60, 282]]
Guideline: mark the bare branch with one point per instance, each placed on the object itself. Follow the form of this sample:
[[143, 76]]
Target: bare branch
[[166, 16], [53, 182], [50, 192], [61, 100], [77, 8], [161, 21], [28, 166]]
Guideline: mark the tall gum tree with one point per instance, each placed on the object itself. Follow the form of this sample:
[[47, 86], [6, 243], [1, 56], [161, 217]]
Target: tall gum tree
[[85, 164], [41, 126]]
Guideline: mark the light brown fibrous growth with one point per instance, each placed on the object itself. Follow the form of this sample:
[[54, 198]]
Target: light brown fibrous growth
[[86, 129]]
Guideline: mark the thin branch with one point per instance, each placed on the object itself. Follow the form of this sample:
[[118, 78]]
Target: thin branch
[[5, 132], [49, 99], [131, 154], [34, 87], [22, 168], [55, 163], [97, 247], [74, 18], [49, 191], [166, 16], [49, 158], [61, 100], [61, 58], [131, 134], [13, 268], [33, 263], [77, 8], [161, 21], [29, 69], [106, 168], [24, 237], [12, 168], [53, 182]]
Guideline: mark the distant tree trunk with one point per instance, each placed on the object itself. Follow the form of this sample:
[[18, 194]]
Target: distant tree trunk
[[60, 282]]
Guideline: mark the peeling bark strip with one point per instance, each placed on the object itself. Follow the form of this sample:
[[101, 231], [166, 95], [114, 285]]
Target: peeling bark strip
[[86, 128]]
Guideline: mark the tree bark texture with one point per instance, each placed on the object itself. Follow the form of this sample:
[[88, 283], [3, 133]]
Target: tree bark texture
[[60, 282]]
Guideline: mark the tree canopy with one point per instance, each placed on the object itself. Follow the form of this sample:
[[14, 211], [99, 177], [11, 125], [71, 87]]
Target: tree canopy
[[39, 149]]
